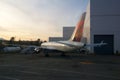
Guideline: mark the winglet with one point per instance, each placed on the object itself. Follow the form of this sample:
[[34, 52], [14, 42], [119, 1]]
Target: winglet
[[102, 43]]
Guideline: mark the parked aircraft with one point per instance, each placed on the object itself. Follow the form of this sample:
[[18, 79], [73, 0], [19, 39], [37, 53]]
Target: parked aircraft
[[29, 50], [11, 49], [74, 43]]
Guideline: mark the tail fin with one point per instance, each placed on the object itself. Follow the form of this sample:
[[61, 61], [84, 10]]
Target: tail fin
[[77, 34]]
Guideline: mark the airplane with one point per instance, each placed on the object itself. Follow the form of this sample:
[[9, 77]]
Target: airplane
[[11, 49], [74, 43]]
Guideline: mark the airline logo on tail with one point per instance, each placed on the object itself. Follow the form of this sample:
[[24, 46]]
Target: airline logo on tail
[[77, 34]]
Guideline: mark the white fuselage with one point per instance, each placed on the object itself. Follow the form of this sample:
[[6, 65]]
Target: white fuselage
[[64, 46]]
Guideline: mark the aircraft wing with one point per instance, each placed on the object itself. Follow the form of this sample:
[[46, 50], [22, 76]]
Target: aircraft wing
[[96, 44]]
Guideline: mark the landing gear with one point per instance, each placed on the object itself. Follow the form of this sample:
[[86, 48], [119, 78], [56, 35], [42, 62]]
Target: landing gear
[[46, 53]]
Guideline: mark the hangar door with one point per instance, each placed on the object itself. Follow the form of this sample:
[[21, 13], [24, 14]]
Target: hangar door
[[107, 49]]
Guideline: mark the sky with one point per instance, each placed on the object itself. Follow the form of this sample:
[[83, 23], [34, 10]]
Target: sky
[[33, 19]]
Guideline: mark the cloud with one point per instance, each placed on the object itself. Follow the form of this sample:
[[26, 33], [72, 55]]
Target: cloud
[[42, 18], [2, 29]]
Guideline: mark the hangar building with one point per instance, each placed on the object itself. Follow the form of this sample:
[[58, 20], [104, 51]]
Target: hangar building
[[102, 23], [67, 32]]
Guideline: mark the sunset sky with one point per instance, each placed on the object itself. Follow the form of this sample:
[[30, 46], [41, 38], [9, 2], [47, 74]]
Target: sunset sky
[[33, 19]]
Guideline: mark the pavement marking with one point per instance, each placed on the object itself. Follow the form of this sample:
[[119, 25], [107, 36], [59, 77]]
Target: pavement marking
[[87, 62], [66, 71], [9, 78], [36, 73], [59, 70], [85, 73]]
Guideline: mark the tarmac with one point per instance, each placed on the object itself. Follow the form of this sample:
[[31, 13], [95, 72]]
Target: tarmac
[[37, 67]]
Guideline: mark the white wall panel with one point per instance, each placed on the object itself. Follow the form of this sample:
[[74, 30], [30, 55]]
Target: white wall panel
[[105, 19]]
